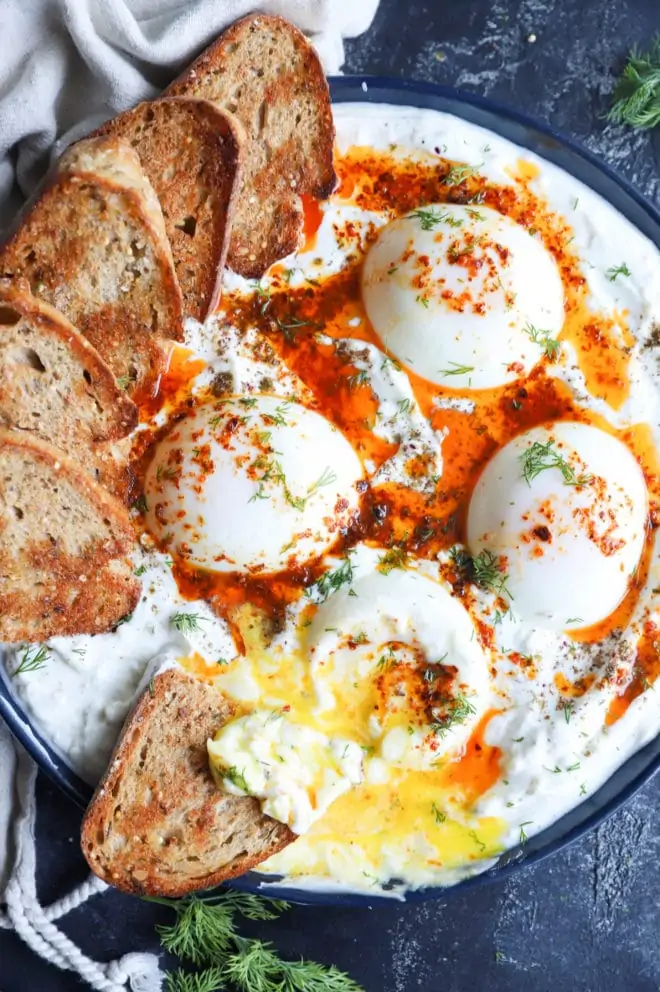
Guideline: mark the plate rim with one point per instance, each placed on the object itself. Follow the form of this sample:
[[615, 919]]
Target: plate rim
[[551, 145]]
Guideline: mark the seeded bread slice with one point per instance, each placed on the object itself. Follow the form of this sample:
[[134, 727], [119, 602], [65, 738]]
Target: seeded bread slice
[[157, 824], [264, 71], [63, 546], [93, 245], [54, 383], [191, 152]]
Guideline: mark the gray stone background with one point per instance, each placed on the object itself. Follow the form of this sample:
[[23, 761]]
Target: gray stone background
[[585, 920]]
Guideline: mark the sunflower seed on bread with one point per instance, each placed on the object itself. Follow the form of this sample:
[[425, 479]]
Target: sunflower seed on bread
[[158, 824], [64, 543], [93, 245], [266, 73], [191, 152]]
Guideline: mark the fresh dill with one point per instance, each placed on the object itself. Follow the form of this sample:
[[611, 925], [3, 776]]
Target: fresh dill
[[279, 417], [539, 457], [205, 934], [456, 369], [459, 173], [140, 505], [300, 502], [549, 344], [637, 94], [125, 381], [122, 620], [387, 361], [440, 817], [617, 270], [140, 570], [186, 622], [477, 840], [330, 582], [487, 573], [404, 406], [523, 834], [165, 472], [567, 706], [291, 325], [259, 493], [236, 778], [263, 292], [428, 218], [359, 379], [456, 711], [31, 660], [422, 300], [393, 558]]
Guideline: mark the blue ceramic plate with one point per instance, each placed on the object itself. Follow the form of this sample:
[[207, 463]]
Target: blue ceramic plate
[[637, 770]]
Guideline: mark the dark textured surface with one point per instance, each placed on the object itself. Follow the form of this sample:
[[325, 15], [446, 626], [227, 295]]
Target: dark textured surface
[[585, 920]]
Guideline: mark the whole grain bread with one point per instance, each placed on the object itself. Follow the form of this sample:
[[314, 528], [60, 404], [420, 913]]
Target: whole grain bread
[[191, 152], [264, 71], [157, 824], [63, 546], [93, 245], [54, 383]]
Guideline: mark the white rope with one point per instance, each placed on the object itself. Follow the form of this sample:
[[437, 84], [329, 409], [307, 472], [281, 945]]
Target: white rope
[[34, 924], [29, 921], [90, 887]]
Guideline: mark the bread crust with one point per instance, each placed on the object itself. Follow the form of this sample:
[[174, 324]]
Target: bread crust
[[64, 543], [39, 321], [290, 132], [192, 152], [157, 823], [93, 245]]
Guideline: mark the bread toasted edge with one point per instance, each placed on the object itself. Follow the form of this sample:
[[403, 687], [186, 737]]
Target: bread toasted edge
[[15, 295], [110, 162], [187, 84], [99, 810], [225, 124]]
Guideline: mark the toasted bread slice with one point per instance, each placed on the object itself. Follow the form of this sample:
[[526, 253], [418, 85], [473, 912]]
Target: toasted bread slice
[[157, 824], [264, 71], [63, 546], [191, 152], [93, 245], [54, 383]]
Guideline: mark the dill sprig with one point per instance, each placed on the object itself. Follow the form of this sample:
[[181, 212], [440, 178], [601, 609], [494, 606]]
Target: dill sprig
[[360, 378], [539, 457], [394, 558], [488, 574], [549, 344], [204, 933], [186, 622], [485, 570], [637, 95], [330, 582], [327, 477], [209, 980], [32, 659], [459, 173], [617, 270], [457, 710], [236, 778], [457, 369], [430, 218]]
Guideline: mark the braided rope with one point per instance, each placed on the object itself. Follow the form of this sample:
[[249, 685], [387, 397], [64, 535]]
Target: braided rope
[[90, 887]]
